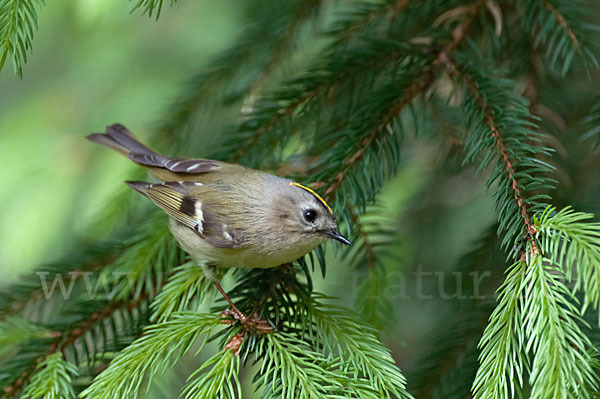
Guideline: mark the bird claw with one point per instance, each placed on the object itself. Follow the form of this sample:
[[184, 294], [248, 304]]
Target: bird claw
[[253, 323]]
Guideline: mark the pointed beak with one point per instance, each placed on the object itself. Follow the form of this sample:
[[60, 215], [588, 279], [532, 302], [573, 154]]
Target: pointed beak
[[338, 237]]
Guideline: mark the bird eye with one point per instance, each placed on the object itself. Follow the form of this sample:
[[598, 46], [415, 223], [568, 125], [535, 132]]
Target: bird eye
[[310, 215]]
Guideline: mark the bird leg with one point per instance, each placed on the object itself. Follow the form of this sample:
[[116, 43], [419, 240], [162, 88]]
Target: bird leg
[[250, 323]]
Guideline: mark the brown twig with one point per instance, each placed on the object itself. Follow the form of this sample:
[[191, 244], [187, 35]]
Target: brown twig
[[374, 133], [563, 23], [501, 146]]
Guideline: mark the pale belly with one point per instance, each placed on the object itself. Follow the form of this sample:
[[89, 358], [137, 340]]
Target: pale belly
[[247, 257]]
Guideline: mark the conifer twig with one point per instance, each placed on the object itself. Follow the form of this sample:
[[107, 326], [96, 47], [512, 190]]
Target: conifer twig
[[374, 133], [62, 339], [562, 21], [501, 147], [421, 84]]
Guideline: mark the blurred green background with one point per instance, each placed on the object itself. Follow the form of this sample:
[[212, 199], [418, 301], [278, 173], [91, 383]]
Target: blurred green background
[[94, 63]]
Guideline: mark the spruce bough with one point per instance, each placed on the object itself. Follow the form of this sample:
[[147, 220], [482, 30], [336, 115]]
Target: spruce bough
[[490, 75]]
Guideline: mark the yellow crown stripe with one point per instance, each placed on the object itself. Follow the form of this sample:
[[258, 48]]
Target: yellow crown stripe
[[317, 196]]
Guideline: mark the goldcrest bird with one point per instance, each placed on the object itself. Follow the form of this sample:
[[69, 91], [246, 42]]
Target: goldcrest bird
[[227, 215]]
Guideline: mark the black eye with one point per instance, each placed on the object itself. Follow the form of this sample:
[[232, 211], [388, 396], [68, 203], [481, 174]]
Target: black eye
[[310, 215]]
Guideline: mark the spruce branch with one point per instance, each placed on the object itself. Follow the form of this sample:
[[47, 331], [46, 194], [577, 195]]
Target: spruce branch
[[572, 242], [187, 284], [216, 378], [292, 369], [18, 21], [100, 327], [53, 379], [536, 319], [356, 343], [559, 26], [502, 359], [316, 348], [161, 346], [503, 132], [562, 365]]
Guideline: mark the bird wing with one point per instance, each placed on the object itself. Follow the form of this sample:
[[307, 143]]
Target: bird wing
[[183, 201]]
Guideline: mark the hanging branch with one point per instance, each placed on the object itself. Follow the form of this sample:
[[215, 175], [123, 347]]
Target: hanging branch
[[18, 20], [559, 25], [513, 172], [368, 143]]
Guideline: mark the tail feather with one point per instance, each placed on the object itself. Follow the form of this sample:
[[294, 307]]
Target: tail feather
[[120, 139]]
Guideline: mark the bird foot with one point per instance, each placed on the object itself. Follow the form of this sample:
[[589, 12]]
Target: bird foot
[[253, 323]]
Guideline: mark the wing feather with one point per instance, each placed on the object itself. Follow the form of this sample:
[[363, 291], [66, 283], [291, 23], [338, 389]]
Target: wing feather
[[183, 202]]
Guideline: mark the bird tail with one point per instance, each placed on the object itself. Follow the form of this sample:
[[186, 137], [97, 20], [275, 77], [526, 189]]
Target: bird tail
[[120, 139]]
